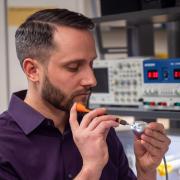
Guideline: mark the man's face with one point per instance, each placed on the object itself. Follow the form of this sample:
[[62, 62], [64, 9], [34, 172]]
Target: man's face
[[69, 76]]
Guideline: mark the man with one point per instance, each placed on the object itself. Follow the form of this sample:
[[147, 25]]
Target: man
[[41, 136]]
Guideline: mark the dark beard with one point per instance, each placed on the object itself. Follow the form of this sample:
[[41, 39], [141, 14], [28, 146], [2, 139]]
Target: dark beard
[[55, 96]]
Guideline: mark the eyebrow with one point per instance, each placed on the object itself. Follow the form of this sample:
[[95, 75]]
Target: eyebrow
[[78, 60]]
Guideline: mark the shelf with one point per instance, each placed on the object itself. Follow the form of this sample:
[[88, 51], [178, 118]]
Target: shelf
[[144, 114], [144, 16], [140, 48]]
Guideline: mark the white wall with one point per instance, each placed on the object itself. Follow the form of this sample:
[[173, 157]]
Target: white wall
[[3, 60], [75, 5]]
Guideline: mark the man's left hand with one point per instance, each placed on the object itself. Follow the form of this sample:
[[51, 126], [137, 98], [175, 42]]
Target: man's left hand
[[150, 148]]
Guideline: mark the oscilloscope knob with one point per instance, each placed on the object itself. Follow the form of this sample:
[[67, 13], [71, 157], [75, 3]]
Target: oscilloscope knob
[[120, 66], [116, 82], [177, 92], [134, 82]]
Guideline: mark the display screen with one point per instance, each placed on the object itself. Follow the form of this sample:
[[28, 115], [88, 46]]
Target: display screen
[[176, 73], [101, 75], [153, 74]]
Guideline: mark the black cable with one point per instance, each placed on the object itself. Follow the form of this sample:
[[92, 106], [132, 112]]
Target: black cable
[[165, 165]]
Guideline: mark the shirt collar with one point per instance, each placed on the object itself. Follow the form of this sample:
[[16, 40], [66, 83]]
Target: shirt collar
[[25, 116]]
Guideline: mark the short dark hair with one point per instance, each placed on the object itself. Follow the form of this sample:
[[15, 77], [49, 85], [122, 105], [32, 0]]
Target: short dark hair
[[34, 38]]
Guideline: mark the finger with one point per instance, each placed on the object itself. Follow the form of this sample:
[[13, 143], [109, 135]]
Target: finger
[[91, 115], [157, 127], [138, 148], [155, 134], [105, 125], [73, 118], [154, 142], [97, 120], [151, 149]]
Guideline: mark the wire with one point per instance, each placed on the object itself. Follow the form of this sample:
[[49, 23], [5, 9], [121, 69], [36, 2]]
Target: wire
[[165, 165]]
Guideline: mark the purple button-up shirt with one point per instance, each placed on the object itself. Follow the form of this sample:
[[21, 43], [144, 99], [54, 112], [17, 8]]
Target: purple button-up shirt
[[31, 148]]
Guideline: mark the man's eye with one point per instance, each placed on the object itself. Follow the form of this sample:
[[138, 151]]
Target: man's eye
[[73, 68]]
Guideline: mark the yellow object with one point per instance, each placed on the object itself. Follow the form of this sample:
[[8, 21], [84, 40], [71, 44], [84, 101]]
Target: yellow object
[[161, 55], [161, 169], [17, 15]]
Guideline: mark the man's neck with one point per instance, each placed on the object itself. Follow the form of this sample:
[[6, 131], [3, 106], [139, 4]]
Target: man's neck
[[57, 116]]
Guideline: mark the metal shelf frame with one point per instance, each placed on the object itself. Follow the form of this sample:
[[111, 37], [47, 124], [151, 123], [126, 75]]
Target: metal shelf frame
[[144, 16], [138, 25], [144, 114]]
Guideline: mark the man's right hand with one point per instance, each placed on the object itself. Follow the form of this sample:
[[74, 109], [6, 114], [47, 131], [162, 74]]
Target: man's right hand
[[90, 138]]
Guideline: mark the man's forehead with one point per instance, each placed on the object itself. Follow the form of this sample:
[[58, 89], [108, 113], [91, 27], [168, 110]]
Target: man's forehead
[[79, 60], [64, 29]]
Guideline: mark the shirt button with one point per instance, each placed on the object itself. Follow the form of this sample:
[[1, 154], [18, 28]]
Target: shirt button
[[70, 176]]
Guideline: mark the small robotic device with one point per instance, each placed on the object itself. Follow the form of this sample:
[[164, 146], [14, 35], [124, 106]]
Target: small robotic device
[[138, 127]]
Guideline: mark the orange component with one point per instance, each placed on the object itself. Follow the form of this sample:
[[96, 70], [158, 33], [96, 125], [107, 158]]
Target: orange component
[[81, 108]]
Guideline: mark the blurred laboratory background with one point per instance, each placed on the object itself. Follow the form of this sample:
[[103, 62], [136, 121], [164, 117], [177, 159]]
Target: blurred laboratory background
[[137, 68]]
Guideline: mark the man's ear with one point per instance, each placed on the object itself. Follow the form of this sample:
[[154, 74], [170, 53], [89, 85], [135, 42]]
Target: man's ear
[[31, 68]]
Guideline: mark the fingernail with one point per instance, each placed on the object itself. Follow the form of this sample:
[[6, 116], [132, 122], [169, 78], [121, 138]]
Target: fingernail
[[117, 119]]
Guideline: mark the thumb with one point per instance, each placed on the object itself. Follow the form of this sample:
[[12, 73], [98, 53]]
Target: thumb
[[73, 118]]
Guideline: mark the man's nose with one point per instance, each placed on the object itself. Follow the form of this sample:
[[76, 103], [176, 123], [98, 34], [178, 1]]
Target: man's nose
[[89, 79]]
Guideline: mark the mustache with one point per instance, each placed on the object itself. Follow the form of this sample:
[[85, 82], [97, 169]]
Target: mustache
[[81, 92]]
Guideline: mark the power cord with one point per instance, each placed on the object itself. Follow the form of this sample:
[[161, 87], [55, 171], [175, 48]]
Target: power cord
[[165, 165]]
